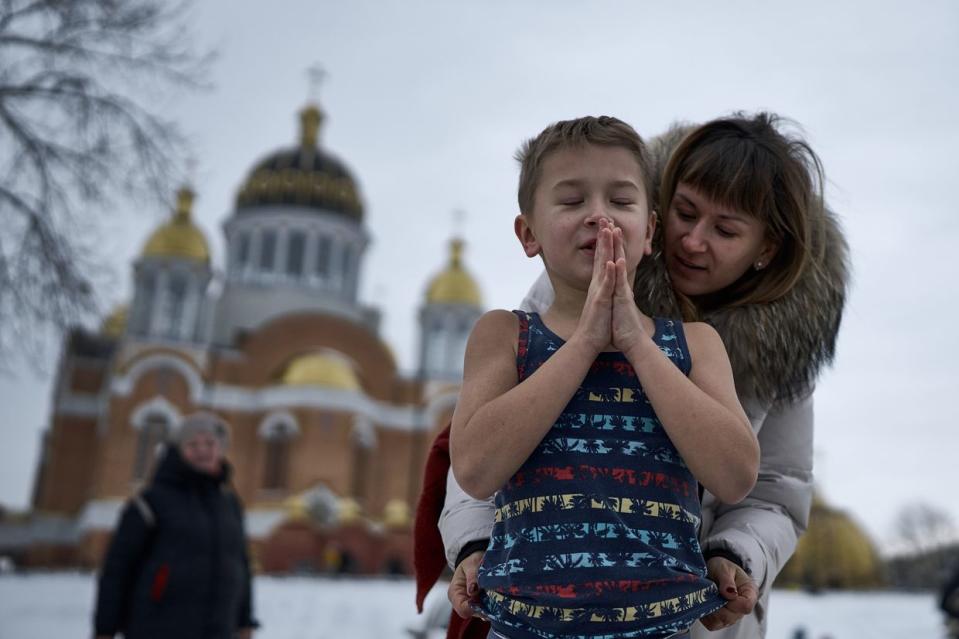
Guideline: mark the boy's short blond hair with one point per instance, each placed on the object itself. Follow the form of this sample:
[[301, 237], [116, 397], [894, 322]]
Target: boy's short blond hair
[[602, 131]]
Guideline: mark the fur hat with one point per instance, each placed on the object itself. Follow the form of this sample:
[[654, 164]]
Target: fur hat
[[203, 422]]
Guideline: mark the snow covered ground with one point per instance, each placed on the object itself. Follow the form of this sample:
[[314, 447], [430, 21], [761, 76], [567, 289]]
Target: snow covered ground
[[57, 606]]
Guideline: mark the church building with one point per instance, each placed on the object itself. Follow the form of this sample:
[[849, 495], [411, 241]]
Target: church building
[[329, 438]]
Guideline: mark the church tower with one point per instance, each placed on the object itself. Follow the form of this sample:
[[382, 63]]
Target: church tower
[[295, 241], [171, 278], [453, 304]]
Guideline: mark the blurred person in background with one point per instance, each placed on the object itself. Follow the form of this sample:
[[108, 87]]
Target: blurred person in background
[[177, 564]]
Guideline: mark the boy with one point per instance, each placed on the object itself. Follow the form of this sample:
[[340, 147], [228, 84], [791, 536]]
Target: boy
[[593, 423]]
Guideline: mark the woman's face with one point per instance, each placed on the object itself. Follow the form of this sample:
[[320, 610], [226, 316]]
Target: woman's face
[[708, 246], [203, 452]]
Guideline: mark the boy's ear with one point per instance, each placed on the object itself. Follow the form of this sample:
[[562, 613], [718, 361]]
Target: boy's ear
[[650, 232], [525, 234]]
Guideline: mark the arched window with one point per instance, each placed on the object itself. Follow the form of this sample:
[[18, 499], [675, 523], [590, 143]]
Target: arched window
[[267, 250], [295, 252], [323, 250], [346, 268], [154, 432], [175, 305], [144, 304], [243, 249], [278, 432]]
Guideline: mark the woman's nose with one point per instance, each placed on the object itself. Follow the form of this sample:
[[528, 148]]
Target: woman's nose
[[693, 241]]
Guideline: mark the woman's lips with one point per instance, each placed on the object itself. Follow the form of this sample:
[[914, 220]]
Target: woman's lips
[[688, 265]]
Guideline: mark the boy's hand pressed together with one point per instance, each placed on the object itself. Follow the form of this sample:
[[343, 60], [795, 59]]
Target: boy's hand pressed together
[[628, 331], [595, 322]]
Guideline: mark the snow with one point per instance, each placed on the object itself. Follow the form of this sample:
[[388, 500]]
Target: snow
[[56, 605]]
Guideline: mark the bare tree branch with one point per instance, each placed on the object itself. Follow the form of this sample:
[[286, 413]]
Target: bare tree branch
[[79, 130]]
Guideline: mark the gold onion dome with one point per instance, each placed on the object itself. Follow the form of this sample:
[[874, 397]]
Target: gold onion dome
[[321, 368], [179, 237], [348, 510], [834, 552], [454, 285], [302, 176], [115, 323], [397, 514]]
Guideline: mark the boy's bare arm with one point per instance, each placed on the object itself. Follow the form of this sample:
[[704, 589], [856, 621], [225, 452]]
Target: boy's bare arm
[[498, 423], [702, 413]]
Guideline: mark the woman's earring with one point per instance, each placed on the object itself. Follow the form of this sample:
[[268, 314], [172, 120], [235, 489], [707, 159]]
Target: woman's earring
[[759, 265]]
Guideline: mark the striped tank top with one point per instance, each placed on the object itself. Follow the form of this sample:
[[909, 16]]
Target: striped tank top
[[596, 534]]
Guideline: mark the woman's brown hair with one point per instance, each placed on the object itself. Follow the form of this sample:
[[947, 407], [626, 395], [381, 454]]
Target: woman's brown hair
[[746, 163]]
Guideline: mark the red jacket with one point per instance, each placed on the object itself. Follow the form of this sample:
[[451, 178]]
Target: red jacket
[[429, 556]]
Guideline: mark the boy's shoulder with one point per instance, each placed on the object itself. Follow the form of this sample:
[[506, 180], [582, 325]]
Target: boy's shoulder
[[498, 317], [700, 335], [495, 326], [497, 323]]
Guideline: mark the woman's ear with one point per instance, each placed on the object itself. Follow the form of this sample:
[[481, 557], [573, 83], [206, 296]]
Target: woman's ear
[[525, 234], [767, 252]]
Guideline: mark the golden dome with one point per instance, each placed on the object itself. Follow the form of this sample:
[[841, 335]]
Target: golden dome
[[321, 368], [304, 175], [397, 514], [833, 553], [454, 285], [349, 510], [115, 323], [179, 237], [296, 508]]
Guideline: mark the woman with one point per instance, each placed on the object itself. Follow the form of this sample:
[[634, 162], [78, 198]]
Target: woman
[[746, 245], [177, 564]]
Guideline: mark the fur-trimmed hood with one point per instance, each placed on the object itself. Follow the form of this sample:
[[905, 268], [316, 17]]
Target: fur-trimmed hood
[[776, 349]]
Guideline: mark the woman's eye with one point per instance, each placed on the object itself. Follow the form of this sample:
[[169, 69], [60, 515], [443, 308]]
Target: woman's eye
[[725, 232], [685, 216], [572, 202], [622, 202]]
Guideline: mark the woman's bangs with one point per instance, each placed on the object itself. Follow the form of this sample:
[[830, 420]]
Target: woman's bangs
[[730, 175]]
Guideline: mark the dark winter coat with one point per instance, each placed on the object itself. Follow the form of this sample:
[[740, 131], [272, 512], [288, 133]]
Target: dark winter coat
[[177, 564]]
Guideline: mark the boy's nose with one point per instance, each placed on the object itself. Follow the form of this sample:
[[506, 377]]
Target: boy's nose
[[596, 212]]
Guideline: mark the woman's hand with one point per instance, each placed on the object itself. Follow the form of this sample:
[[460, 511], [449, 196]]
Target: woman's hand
[[594, 326], [463, 586], [737, 587]]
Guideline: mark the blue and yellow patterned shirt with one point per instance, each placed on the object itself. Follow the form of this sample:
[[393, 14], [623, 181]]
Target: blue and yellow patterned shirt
[[596, 534]]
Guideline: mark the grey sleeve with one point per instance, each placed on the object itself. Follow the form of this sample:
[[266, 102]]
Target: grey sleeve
[[464, 519], [764, 528]]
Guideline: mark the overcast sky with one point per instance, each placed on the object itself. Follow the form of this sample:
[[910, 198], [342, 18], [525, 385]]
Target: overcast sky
[[426, 103]]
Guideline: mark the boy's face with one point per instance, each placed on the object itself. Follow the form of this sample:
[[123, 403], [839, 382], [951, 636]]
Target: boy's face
[[579, 186]]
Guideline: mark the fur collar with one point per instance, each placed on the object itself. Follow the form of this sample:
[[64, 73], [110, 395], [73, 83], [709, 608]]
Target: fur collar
[[777, 350]]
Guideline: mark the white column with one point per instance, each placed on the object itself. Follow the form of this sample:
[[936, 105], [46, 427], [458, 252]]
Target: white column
[[309, 255], [191, 305], [253, 265], [282, 250], [335, 279]]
